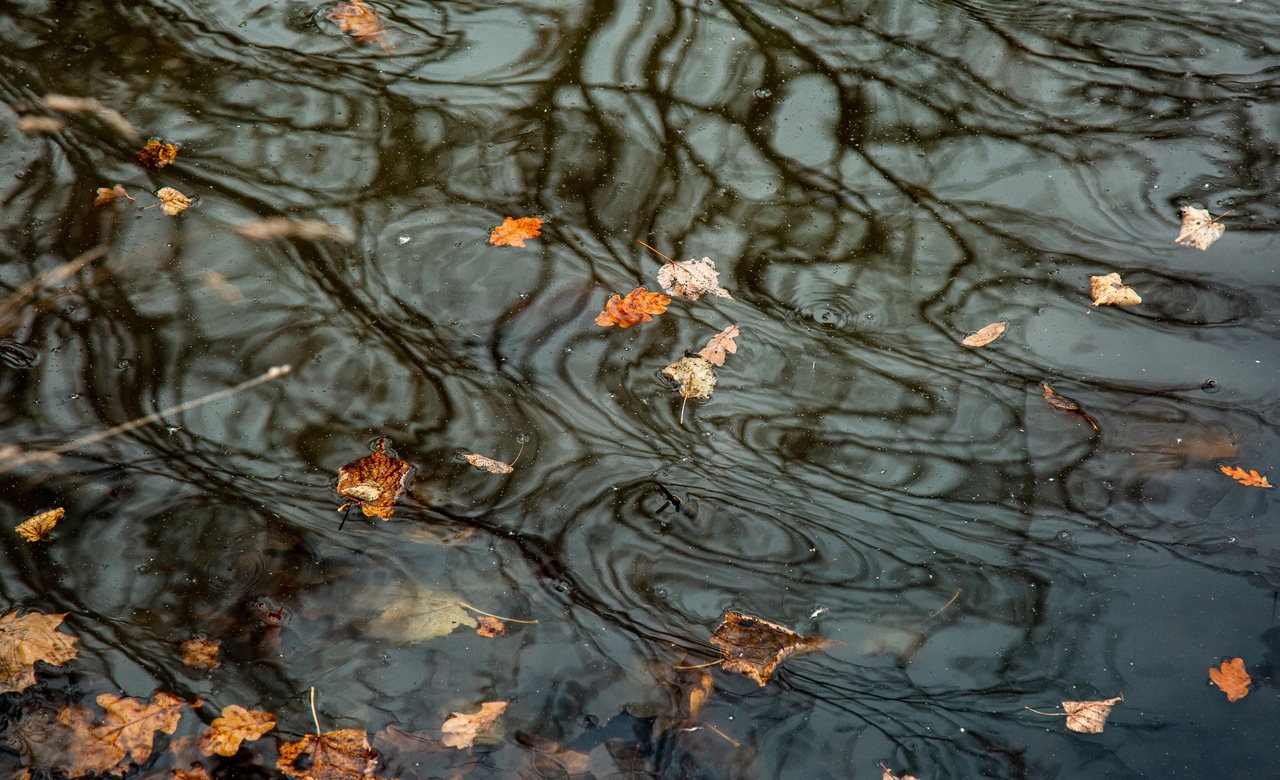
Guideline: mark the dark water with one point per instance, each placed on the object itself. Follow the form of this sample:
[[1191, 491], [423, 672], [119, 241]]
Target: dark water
[[874, 180]]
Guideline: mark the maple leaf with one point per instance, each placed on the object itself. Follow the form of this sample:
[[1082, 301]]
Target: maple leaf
[[26, 640], [490, 626], [37, 527], [1251, 478], [374, 482], [461, 730], [283, 227], [985, 336], [111, 195], [691, 279], [334, 755], [363, 22], [1065, 404], [201, 653], [172, 202], [224, 735], [417, 614], [637, 307], [513, 232], [157, 154], [719, 344], [1109, 291], [488, 464], [754, 647], [64, 744], [131, 724], [1089, 717], [1199, 230], [37, 125], [1231, 678]]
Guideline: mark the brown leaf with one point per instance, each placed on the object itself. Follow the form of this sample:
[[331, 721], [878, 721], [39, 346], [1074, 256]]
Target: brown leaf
[[194, 773], [461, 730], [1251, 478], [157, 154], [224, 735], [692, 376], [1089, 717], [172, 202], [1231, 678], [754, 647], [985, 336], [490, 626], [699, 695], [637, 307], [488, 464], [513, 232], [719, 344], [283, 227], [363, 22], [1065, 404], [37, 527], [34, 125], [1109, 291], [64, 744], [201, 653], [887, 775], [374, 482], [334, 755], [691, 279], [1199, 230], [131, 724], [109, 116], [222, 286], [111, 195], [26, 640]]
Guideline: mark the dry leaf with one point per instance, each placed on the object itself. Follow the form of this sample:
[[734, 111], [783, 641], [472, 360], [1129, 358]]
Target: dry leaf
[[887, 775], [111, 195], [363, 22], [984, 337], [131, 724], [1108, 291], [194, 773], [1231, 678], [283, 227], [1065, 404], [1199, 230], [224, 735], [156, 154], [1251, 478], [201, 653], [699, 695], [692, 376], [417, 614], [461, 730], [172, 202], [334, 755], [490, 626], [754, 647], [26, 640], [1089, 717], [719, 344], [64, 744], [36, 528], [691, 279], [488, 464], [513, 232], [634, 309], [33, 125], [374, 482]]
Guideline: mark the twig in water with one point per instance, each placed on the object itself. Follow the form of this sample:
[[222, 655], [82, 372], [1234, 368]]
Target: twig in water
[[656, 252], [517, 457], [938, 611]]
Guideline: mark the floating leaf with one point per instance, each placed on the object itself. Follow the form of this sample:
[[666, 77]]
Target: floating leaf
[[637, 307], [131, 724], [488, 464], [984, 337], [36, 528], [887, 775], [201, 653], [754, 647], [461, 730], [157, 154], [1199, 230], [1251, 478], [1231, 678], [26, 640], [416, 614], [283, 227], [64, 743], [374, 482], [111, 195], [1065, 404], [719, 344], [513, 232], [334, 755], [691, 279], [692, 376], [362, 22], [172, 202], [1108, 291], [490, 626], [40, 125], [1089, 717], [224, 735]]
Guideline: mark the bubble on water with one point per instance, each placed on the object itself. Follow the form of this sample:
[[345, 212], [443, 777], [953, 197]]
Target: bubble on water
[[402, 240], [1206, 186], [122, 364], [1064, 537], [764, 93]]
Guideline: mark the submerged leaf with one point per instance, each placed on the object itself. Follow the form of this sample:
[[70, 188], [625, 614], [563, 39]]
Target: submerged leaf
[[283, 227], [1231, 678], [416, 614], [201, 653], [224, 735], [461, 730], [513, 232], [1065, 404], [26, 640], [64, 743], [131, 724], [37, 527], [754, 647], [362, 22], [374, 482], [157, 154], [1109, 291], [691, 279], [334, 755], [1251, 478], [985, 336], [35, 125], [719, 344], [1199, 229], [637, 307]]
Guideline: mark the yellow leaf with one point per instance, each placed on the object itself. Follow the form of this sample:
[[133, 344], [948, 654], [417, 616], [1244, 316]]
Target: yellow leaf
[[985, 336], [35, 529], [1108, 291], [461, 730], [1199, 230]]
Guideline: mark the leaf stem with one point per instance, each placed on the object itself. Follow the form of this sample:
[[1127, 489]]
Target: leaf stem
[[518, 454], [701, 666], [313, 710], [1050, 714], [490, 614], [937, 611], [656, 252], [682, 403], [721, 733]]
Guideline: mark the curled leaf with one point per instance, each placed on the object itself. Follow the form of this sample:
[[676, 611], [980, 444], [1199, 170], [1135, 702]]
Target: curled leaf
[[157, 154], [172, 202], [1231, 678], [719, 344], [490, 626], [637, 307], [985, 336], [691, 279], [488, 464], [37, 527], [461, 730], [1108, 291], [513, 232], [111, 195], [1065, 404], [374, 481], [1199, 229], [1251, 478], [754, 647]]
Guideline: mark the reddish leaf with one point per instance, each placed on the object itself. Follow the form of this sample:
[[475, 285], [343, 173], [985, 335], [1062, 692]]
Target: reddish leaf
[[1251, 478], [1231, 678], [374, 482], [637, 307], [513, 232]]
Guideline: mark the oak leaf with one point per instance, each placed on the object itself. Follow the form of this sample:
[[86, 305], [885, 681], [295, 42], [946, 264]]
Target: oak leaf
[[638, 306], [201, 653], [157, 154], [1109, 291], [363, 22], [373, 482], [131, 724], [26, 640], [334, 755], [1089, 717], [754, 647], [461, 730], [172, 202], [488, 464], [1231, 678], [513, 232], [719, 344], [224, 735], [692, 376], [691, 279], [490, 626], [1199, 229], [111, 195], [984, 337], [1251, 477], [64, 744], [37, 527]]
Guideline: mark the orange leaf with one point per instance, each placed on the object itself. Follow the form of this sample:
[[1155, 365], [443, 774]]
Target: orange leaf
[[490, 626], [374, 482], [1231, 678], [64, 743], [201, 653], [719, 344], [513, 232], [334, 755], [461, 730], [1251, 478], [1199, 230], [157, 154], [637, 307], [362, 22], [37, 527], [27, 639], [754, 647], [224, 735], [131, 724], [985, 336]]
